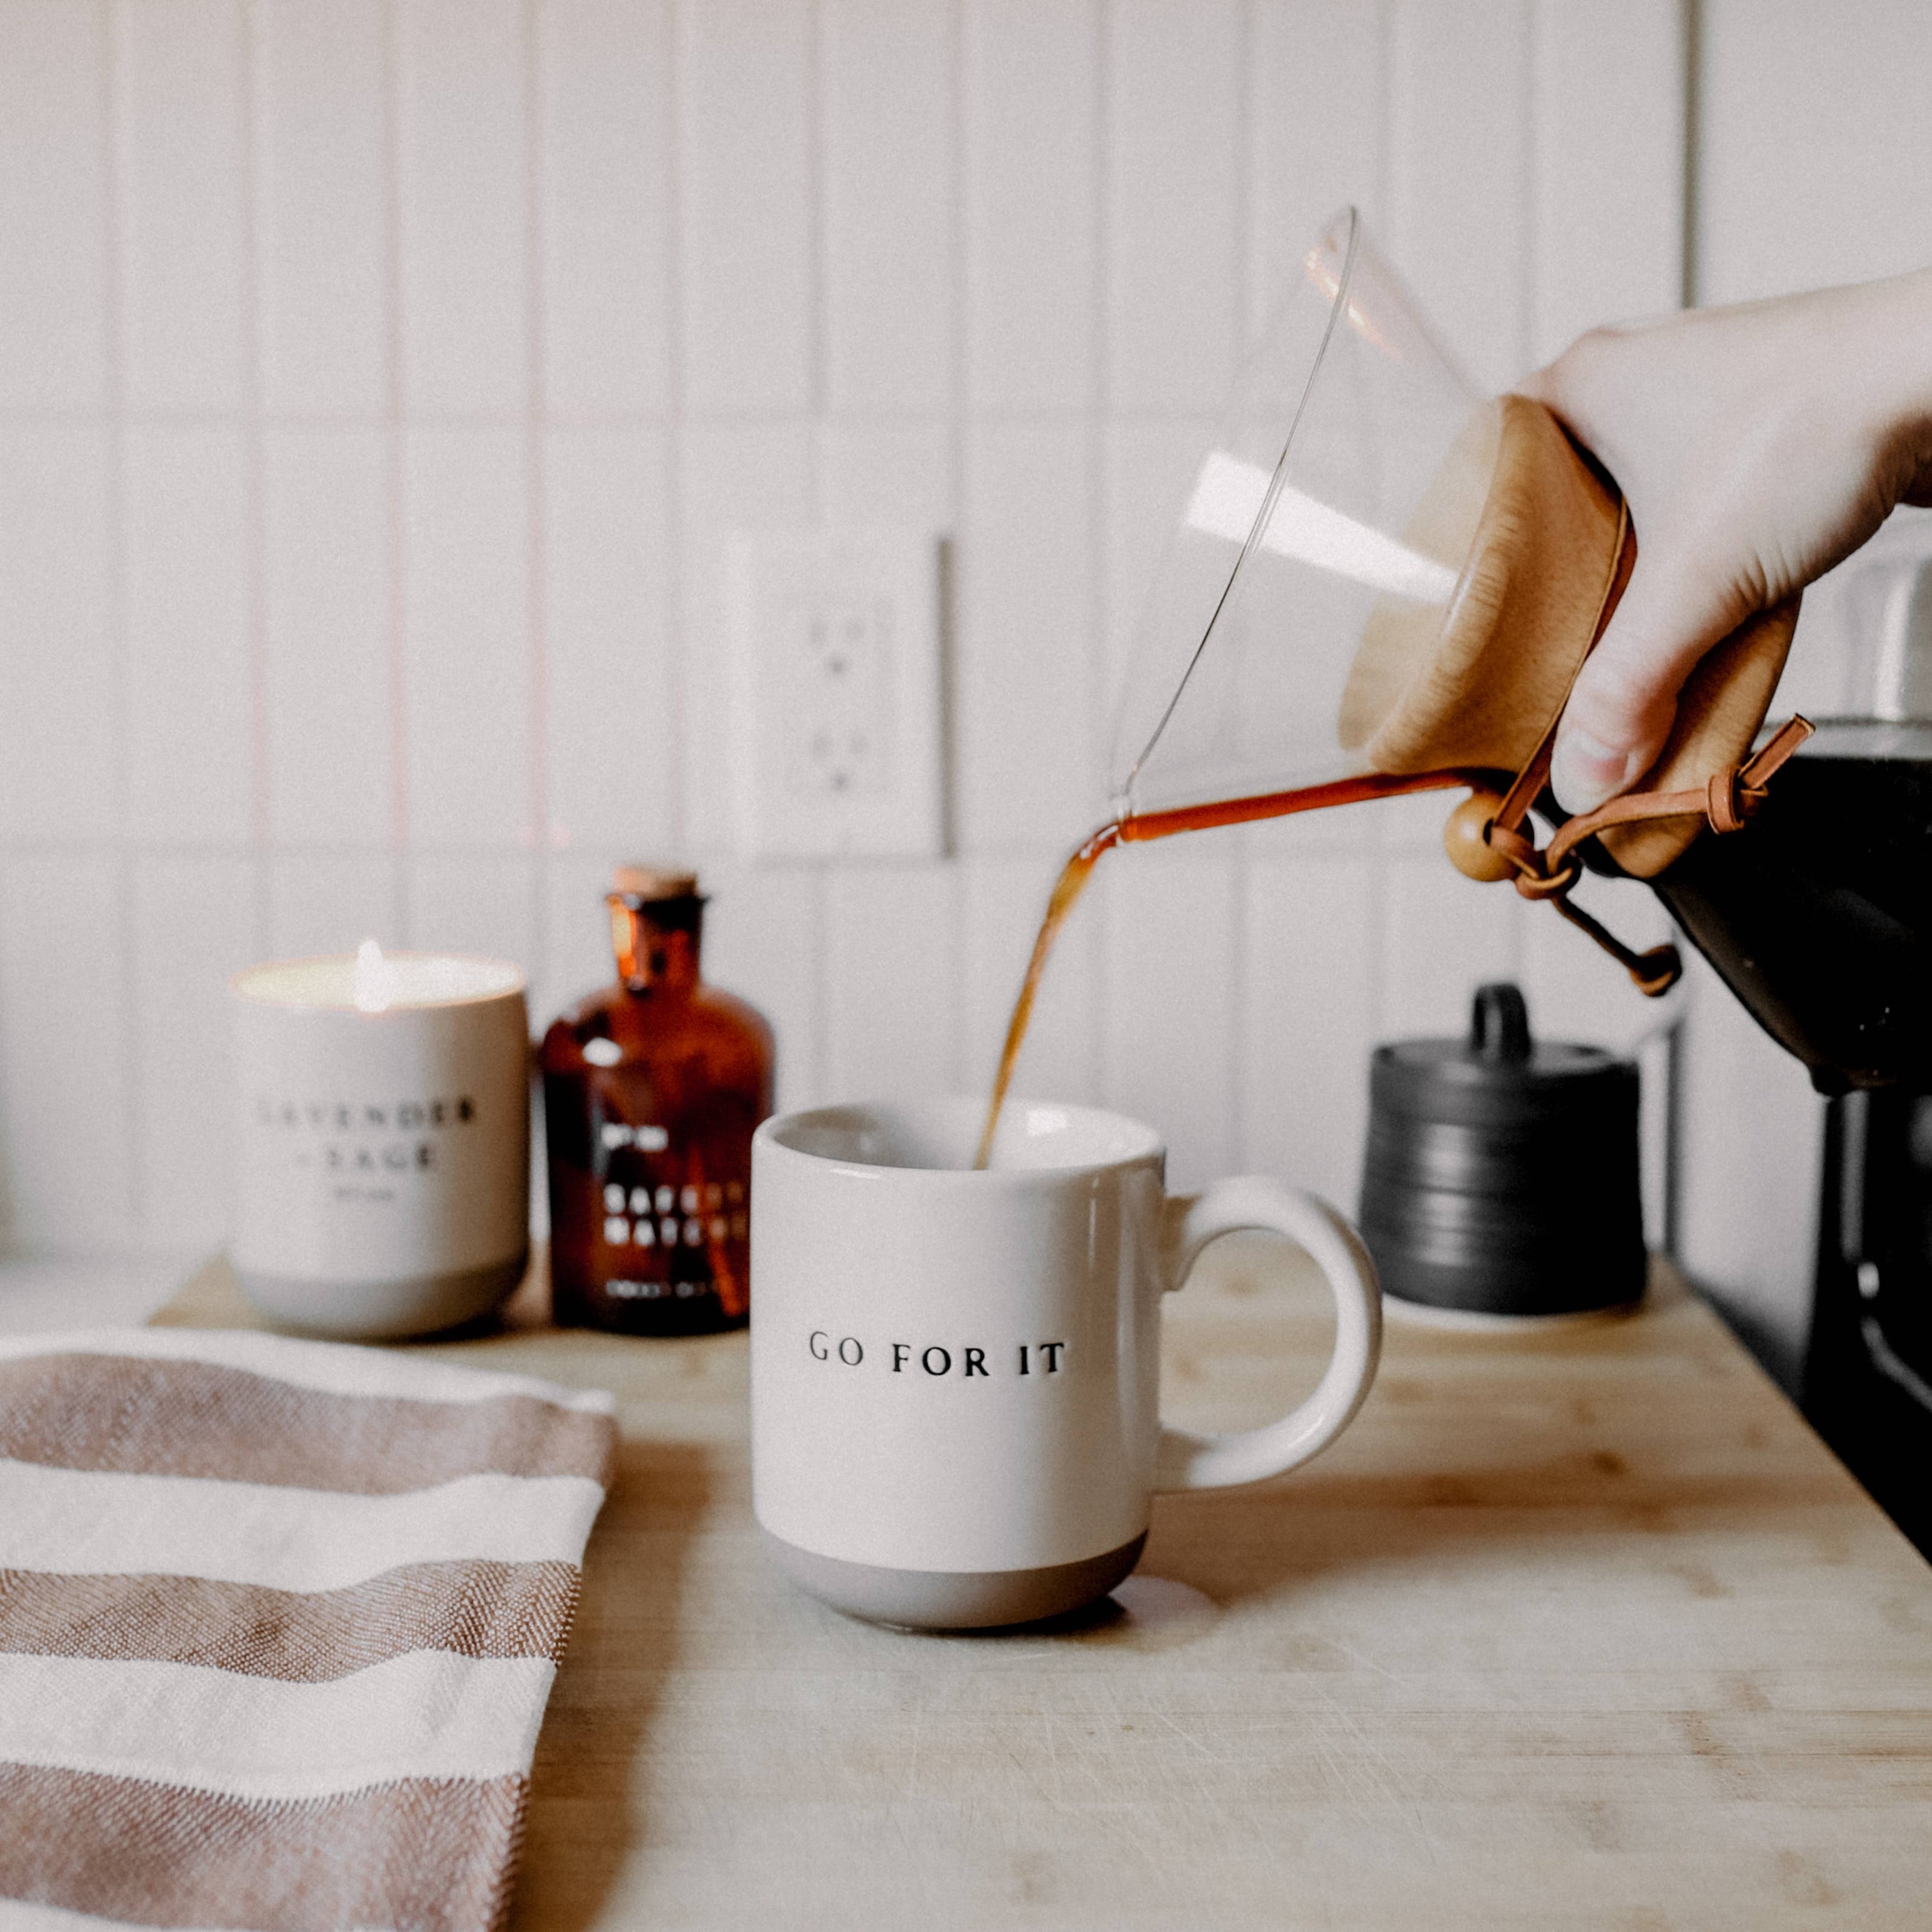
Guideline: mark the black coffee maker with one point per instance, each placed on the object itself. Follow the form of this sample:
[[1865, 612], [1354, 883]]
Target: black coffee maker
[[1818, 915]]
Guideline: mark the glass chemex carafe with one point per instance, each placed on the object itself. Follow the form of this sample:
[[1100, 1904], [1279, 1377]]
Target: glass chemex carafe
[[1382, 582]]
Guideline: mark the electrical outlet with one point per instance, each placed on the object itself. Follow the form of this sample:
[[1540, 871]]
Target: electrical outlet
[[835, 692]]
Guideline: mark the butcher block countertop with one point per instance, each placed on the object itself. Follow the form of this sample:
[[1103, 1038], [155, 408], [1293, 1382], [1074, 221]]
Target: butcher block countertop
[[1580, 1628]]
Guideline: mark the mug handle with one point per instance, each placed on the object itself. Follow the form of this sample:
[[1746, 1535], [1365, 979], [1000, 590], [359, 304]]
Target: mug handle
[[1186, 1461]]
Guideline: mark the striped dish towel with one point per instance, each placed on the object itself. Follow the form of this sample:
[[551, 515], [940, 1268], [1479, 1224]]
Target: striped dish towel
[[277, 1622]]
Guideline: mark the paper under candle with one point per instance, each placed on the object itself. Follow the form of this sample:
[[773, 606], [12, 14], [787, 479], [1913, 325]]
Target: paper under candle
[[383, 1139]]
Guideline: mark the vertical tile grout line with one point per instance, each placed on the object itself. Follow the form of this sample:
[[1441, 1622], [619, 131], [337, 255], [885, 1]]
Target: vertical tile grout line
[[1375, 857], [126, 923], [1691, 70], [672, 592], [255, 488], [1679, 1044], [1529, 226], [817, 321], [1385, 110], [961, 1076], [1243, 295], [536, 590], [1100, 390], [1529, 256], [817, 387], [396, 469]]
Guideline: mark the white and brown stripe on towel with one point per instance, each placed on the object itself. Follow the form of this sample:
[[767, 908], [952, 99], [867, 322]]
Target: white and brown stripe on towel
[[277, 1623]]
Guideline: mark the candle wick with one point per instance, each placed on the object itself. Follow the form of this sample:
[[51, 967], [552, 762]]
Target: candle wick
[[372, 979]]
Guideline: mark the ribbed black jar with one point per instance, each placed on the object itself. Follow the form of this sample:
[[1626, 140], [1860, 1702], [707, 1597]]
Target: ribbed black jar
[[1501, 1174]]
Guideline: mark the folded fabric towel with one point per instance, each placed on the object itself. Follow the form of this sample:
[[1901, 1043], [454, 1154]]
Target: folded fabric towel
[[277, 1623]]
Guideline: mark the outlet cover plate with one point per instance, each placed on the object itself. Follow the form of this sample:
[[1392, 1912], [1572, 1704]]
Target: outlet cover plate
[[835, 693]]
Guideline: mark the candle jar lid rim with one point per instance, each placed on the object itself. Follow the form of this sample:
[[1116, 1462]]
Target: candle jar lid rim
[[512, 981]]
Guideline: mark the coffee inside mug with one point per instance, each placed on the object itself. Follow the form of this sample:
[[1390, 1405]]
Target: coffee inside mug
[[942, 1136]]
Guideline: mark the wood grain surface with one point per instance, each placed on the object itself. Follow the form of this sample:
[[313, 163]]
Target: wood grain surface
[[1581, 1628]]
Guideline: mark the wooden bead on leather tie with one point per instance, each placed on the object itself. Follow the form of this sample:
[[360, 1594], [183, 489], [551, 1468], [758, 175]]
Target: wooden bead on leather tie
[[1465, 839]]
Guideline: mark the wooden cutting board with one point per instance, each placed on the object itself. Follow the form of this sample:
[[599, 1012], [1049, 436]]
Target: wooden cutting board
[[1581, 1628]]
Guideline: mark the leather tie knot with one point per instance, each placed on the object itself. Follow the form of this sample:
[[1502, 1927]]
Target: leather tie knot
[[1520, 851], [1534, 878], [1548, 886], [1726, 803]]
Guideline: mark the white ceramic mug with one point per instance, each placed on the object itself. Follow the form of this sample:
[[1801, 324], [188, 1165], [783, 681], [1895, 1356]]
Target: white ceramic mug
[[955, 1375]]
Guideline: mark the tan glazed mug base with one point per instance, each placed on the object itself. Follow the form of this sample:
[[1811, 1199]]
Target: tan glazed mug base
[[953, 1600]]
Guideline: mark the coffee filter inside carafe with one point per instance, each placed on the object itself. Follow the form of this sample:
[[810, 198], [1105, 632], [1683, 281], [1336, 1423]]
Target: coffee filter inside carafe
[[1319, 551]]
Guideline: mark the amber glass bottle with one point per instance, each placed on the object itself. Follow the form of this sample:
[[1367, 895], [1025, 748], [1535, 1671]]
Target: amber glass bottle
[[651, 1089]]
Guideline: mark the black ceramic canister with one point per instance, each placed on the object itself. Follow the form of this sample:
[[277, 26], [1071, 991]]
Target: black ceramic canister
[[1501, 1174]]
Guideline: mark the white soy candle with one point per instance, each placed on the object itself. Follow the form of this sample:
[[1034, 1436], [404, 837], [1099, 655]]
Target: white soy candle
[[383, 1140]]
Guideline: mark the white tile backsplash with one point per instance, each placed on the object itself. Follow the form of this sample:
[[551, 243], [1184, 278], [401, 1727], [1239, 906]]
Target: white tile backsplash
[[1443, 935], [748, 229], [329, 742], [894, 471], [1608, 133], [194, 924], [1812, 168], [888, 80], [1310, 1006], [190, 752], [1317, 80], [463, 173], [466, 696], [1753, 1139], [59, 699], [185, 191], [764, 938], [733, 476], [609, 716], [576, 931], [1459, 224], [381, 379], [482, 903], [322, 192], [1024, 689], [53, 205], [330, 901], [1029, 201], [1171, 922], [607, 167], [67, 1087], [892, 980], [1175, 197]]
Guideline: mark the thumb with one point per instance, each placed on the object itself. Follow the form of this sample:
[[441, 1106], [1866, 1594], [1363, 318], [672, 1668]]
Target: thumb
[[1622, 706]]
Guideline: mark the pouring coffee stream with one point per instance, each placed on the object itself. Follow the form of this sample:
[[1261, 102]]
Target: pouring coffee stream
[[1483, 838]]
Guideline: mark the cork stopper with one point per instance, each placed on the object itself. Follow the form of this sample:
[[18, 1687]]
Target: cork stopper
[[647, 883]]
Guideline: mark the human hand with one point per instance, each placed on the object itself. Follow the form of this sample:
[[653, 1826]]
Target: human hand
[[1757, 447]]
